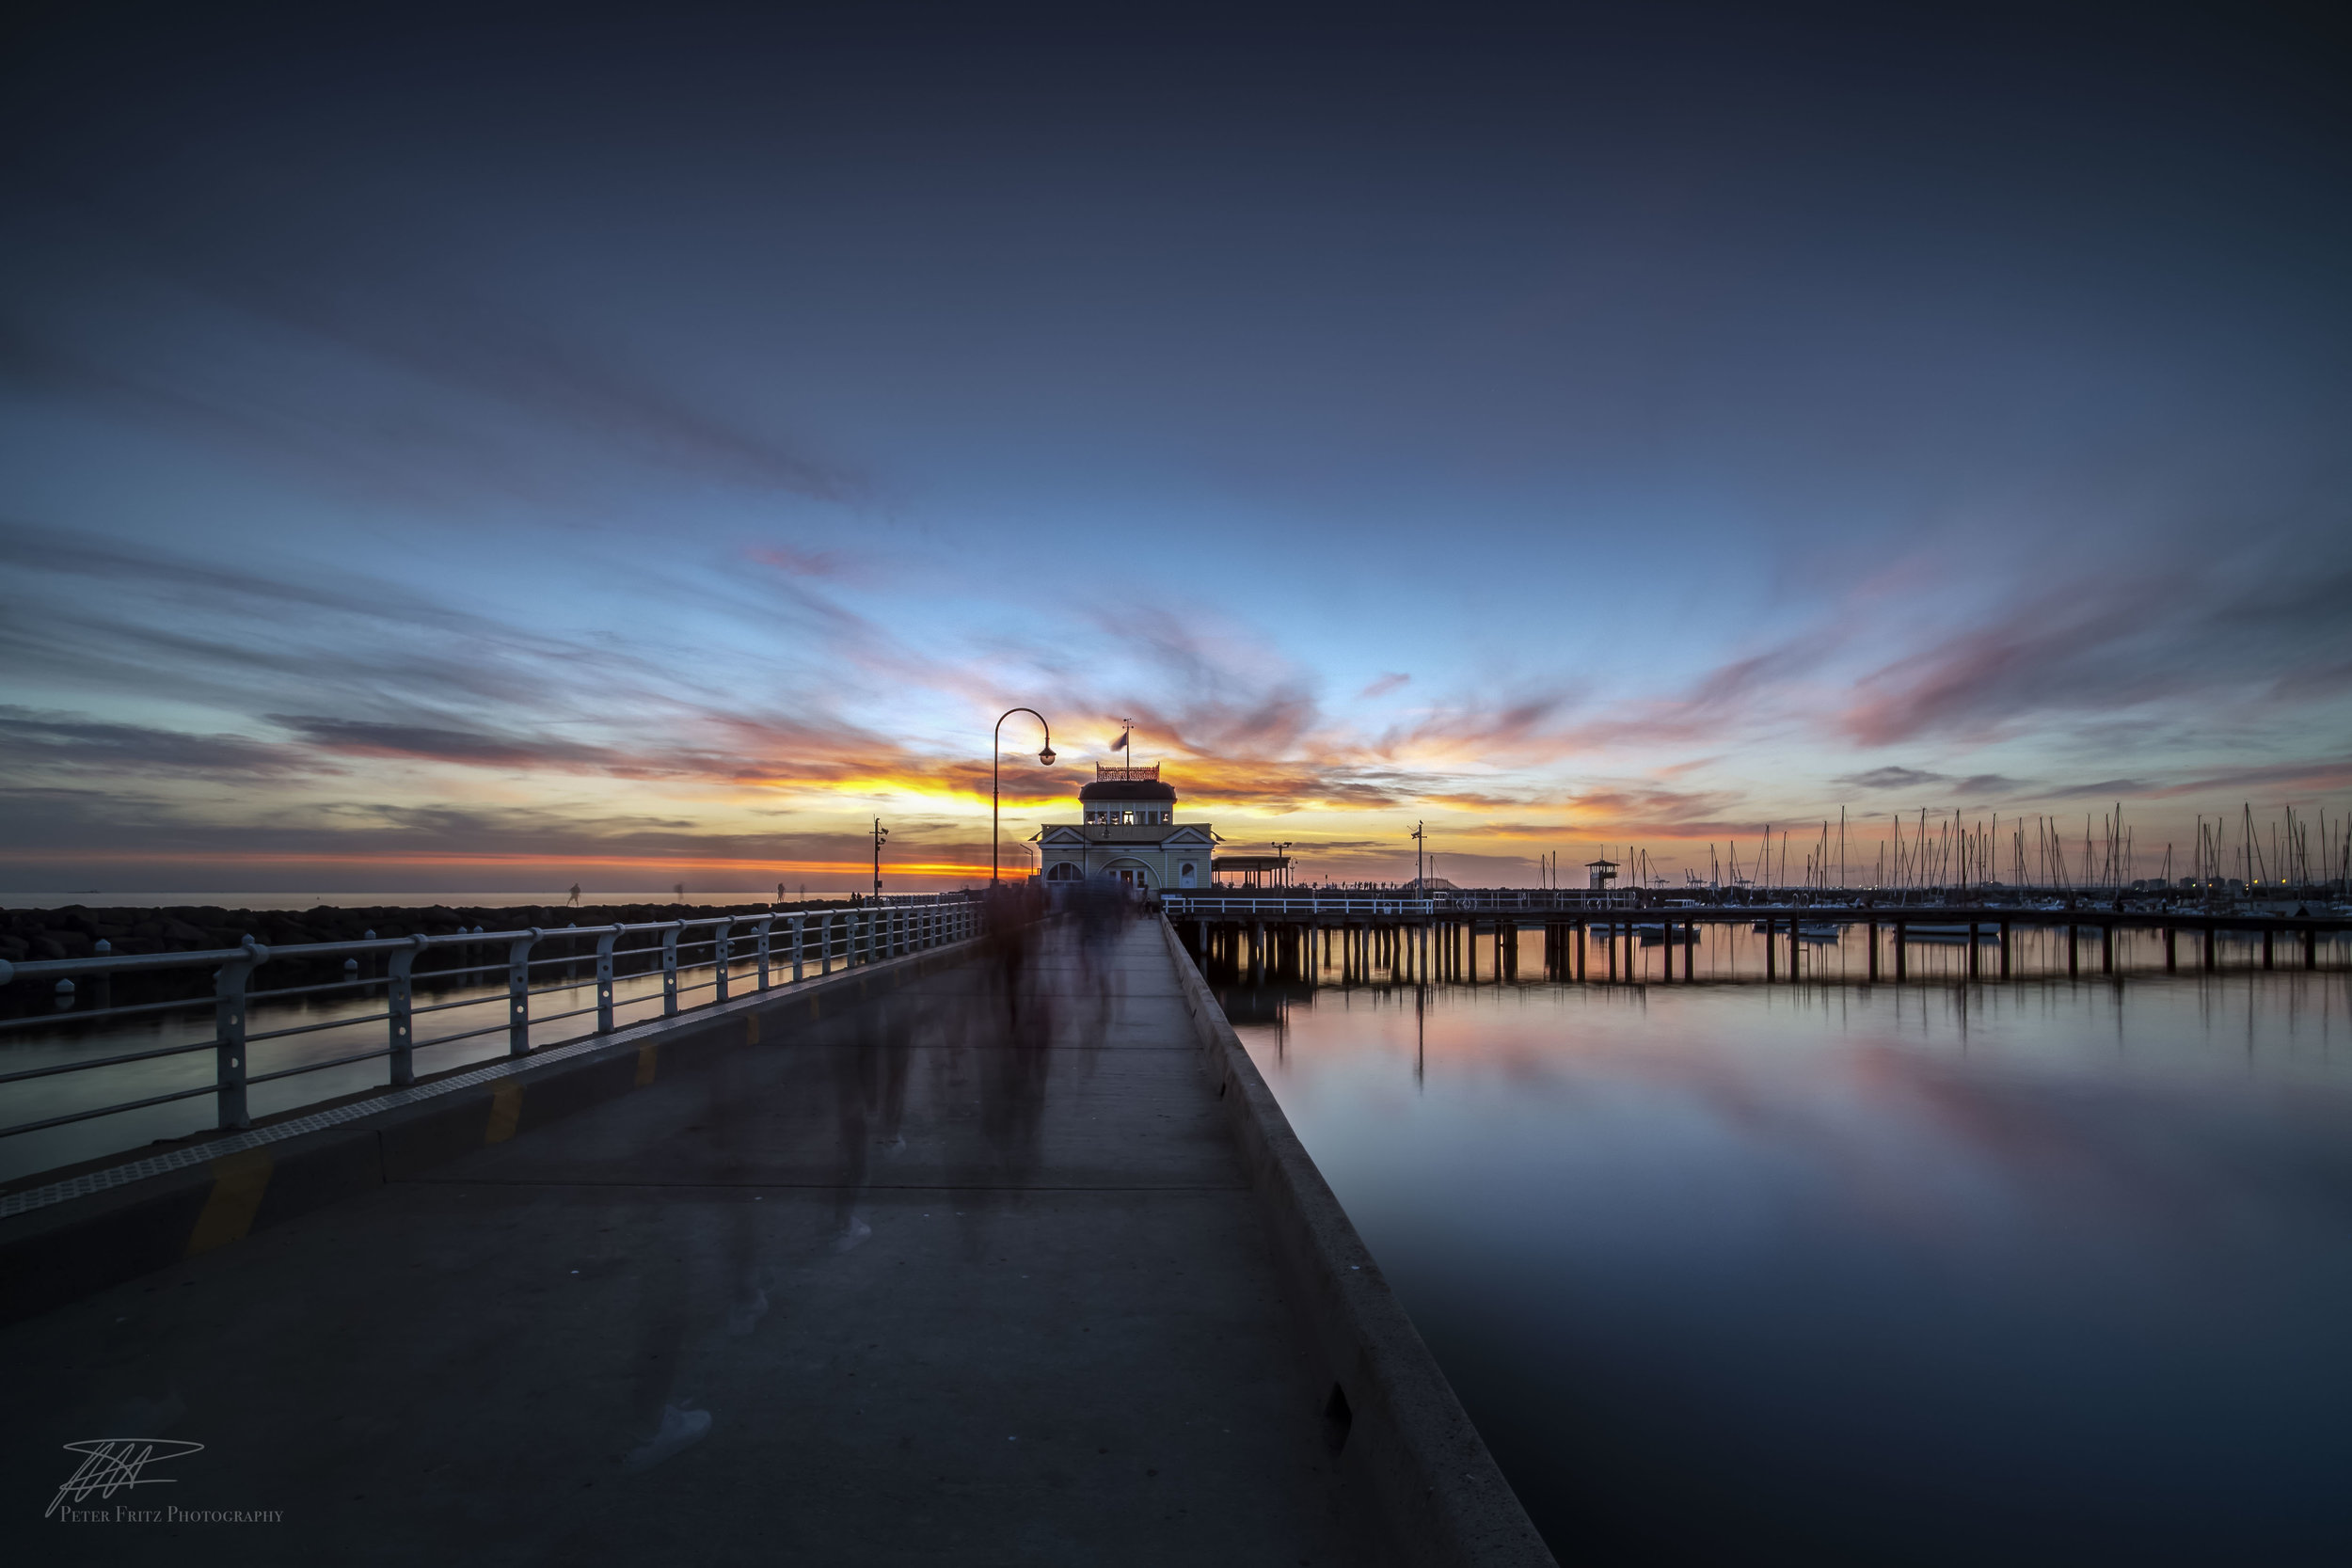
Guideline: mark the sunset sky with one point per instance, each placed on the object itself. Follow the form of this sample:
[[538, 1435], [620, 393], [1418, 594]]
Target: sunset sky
[[633, 448]]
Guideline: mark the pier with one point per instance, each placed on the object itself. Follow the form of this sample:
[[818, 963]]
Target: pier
[[992, 1248], [1431, 940]]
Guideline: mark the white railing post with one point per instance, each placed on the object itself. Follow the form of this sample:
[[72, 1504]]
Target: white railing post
[[800, 942], [759, 927], [669, 968], [518, 992], [603, 978], [722, 939], [399, 1007], [228, 1053]]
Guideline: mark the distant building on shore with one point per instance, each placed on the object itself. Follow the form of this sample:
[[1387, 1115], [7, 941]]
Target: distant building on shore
[[1129, 831]]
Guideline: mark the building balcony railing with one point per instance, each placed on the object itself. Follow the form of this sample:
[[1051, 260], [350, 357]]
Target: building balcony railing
[[1120, 772]]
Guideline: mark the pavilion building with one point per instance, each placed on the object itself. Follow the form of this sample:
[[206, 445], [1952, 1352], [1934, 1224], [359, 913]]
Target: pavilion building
[[1129, 831]]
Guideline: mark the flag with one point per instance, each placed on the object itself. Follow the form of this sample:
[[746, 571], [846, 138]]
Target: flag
[[1120, 744]]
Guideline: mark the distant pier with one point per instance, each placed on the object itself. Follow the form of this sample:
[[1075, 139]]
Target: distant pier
[[1418, 941]]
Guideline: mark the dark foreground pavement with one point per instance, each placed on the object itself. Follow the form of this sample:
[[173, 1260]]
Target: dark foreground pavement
[[935, 1281]]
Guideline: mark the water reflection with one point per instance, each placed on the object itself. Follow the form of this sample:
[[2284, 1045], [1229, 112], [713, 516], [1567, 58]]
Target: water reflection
[[2047, 1271]]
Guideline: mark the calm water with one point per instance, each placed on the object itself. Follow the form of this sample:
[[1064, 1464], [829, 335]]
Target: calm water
[[2040, 1271]]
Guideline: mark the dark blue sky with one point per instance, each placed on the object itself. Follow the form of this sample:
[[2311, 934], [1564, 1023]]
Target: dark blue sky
[[467, 444]]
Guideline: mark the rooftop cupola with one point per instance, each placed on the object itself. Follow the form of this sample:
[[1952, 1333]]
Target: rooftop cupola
[[1128, 794]]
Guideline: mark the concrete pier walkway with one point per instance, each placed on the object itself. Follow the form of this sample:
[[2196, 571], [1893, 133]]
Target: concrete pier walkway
[[969, 1273]]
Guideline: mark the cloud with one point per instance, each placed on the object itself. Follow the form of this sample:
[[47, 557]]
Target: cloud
[[1891, 778], [1974, 786], [2263, 630], [801, 563], [48, 742], [2113, 789], [406, 384], [1385, 685], [469, 748]]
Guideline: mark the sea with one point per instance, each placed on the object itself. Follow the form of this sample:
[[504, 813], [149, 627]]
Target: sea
[[2056, 1269]]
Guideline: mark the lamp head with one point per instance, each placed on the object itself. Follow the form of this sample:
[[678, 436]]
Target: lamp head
[[1046, 756]]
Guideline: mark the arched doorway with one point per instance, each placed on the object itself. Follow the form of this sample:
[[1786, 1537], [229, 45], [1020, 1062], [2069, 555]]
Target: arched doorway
[[1133, 874]]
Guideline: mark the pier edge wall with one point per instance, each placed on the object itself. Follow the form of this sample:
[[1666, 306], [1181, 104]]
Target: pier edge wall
[[1410, 1441]]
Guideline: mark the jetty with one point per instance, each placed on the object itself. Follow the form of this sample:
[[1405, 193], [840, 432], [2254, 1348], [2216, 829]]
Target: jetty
[[1411, 939], [988, 1247]]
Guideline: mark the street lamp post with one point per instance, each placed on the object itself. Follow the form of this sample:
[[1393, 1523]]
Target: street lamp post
[[1421, 877], [996, 747], [1278, 869], [881, 834]]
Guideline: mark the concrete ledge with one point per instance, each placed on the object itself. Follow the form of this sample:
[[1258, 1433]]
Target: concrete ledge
[[1408, 1442], [63, 1251]]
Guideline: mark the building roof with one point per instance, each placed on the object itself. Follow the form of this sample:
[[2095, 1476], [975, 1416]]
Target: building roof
[[1128, 789]]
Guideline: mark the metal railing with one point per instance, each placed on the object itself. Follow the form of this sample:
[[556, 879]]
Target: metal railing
[[815, 941], [1220, 906]]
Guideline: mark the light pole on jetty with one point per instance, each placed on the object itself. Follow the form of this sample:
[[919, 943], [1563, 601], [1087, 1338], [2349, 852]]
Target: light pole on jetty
[[995, 750], [881, 835]]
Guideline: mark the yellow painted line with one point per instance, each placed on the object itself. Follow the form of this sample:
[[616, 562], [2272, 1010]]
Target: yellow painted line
[[506, 1109], [647, 1055], [238, 1183]]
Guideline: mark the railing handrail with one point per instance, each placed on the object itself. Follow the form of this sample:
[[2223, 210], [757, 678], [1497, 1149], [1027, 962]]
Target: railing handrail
[[37, 969]]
